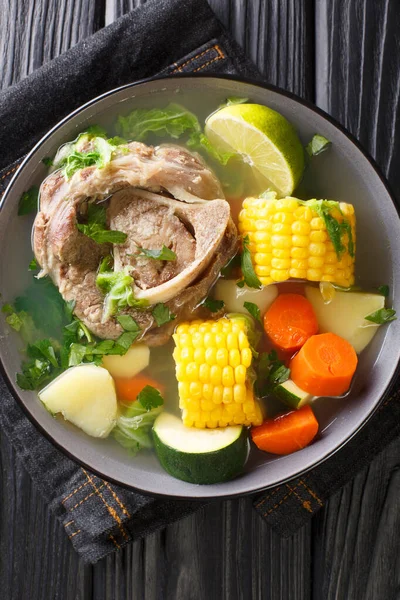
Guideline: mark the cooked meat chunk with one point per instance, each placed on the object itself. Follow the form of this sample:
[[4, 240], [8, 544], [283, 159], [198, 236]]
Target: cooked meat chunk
[[196, 226]]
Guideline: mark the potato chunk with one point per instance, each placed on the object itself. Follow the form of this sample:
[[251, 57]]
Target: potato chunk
[[345, 315], [85, 396], [130, 364], [234, 297]]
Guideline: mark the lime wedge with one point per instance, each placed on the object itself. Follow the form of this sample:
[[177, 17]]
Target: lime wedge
[[265, 140]]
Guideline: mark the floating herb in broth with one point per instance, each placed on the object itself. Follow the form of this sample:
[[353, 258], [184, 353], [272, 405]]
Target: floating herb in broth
[[175, 338]]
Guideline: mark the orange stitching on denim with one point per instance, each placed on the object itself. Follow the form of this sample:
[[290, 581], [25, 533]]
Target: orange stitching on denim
[[69, 523], [76, 533], [313, 494], [219, 57], [9, 172], [267, 497], [283, 499], [123, 508], [115, 541], [111, 510], [305, 504], [193, 58], [74, 492], [84, 500]]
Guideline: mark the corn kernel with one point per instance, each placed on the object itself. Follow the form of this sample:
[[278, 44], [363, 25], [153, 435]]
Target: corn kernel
[[211, 356], [299, 253], [234, 356], [280, 275], [217, 394], [280, 263], [281, 241], [228, 378], [215, 374], [240, 374], [195, 389], [206, 405], [208, 389], [314, 274], [192, 371], [221, 357], [232, 341], [239, 393], [301, 228], [227, 396], [301, 241], [247, 357], [204, 373], [199, 355], [315, 262]]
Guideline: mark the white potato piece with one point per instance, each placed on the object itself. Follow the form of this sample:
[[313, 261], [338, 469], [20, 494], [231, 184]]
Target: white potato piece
[[345, 315], [130, 364], [85, 396], [234, 297]]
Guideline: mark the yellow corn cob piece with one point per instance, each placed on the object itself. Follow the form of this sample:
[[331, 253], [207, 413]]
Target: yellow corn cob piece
[[212, 359], [288, 239]]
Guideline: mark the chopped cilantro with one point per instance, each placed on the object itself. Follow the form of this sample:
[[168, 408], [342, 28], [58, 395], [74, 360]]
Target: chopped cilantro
[[162, 314], [249, 275], [161, 254], [253, 310], [213, 305], [384, 290], [150, 398], [28, 202], [381, 316], [96, 227]]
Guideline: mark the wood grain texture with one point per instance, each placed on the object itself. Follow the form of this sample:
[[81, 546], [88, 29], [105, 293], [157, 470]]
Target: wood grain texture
[[34, 32], [356, 536], [225, 551], [278, 36]]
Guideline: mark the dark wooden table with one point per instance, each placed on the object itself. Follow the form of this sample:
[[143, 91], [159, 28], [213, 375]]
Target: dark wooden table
[[344, 55]]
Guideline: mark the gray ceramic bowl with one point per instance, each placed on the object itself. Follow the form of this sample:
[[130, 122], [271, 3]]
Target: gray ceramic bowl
[[344, 173]]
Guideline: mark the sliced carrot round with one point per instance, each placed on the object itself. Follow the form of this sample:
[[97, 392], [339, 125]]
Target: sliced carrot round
[[286, 433], [290, 321], [325, 365], [129, 389]]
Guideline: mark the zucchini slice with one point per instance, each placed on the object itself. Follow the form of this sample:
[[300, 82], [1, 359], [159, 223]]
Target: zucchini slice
[[292, 395], [201, 456]]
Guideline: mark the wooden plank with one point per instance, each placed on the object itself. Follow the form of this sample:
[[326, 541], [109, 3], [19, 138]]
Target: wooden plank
[[224, 551], [356, 536], [278, 35], [32, 33], [36, 557]]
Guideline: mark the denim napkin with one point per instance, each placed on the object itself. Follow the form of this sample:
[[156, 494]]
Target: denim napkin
[[100, 517]]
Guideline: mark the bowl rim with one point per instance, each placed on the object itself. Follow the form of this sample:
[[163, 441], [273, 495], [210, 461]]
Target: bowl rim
[[239, 79]]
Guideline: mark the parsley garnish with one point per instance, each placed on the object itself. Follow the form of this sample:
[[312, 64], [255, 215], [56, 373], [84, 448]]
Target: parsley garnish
[[384, 290], [150, 398], [335, 228], [28, 202], [249, 275], [253, 310], [96, 227], [213, 305], [270, 372], [381, 316], [163, 254], [128, 323], [162, 314]]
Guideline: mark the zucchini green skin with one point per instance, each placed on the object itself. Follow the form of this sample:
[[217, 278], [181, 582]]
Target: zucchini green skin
[[204, 468]]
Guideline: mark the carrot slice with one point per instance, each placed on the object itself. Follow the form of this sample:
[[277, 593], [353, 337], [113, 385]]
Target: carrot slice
[[129, 389], [286, 433], [290, 321], [325, 365]]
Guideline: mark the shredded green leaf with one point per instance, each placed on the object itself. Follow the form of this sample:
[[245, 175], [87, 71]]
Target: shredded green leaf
[[318, 144], [270, 372], [33, 266], [199, 141], [118, 289], [381, 316], [161, 254], [213, 305], [128, 323], [249, 275], [96, 227], [173, 120], [253, 310], [162, 314], [335, 229], [47, 161], [28, 202], [133, 429]]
